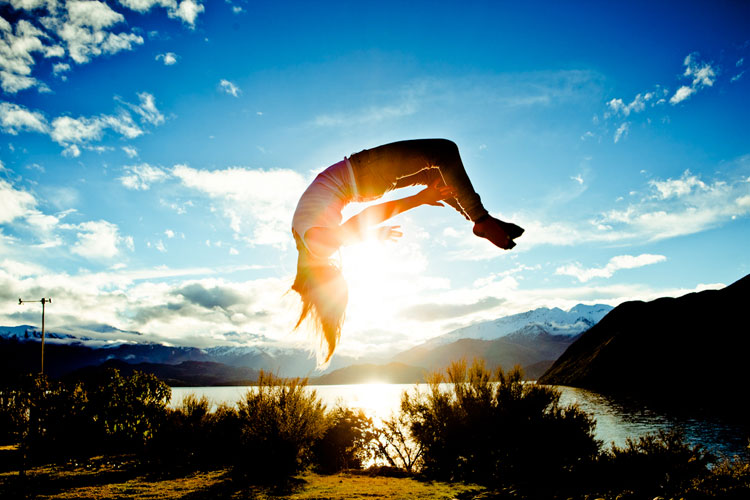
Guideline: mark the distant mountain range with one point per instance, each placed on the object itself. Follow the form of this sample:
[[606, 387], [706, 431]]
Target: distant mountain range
[[693, 349], [533, 340], [551, 321]]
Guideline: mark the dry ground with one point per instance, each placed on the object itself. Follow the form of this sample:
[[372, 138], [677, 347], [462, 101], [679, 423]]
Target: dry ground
[[124, 478]]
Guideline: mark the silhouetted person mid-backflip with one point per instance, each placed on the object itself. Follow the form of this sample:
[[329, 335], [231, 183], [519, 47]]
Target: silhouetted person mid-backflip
[[319, 232]]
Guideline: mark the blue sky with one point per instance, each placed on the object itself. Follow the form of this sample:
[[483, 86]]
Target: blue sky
[[152, 153]]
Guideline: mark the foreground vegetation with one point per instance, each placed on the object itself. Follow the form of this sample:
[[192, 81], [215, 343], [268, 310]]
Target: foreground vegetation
[[115, 437]]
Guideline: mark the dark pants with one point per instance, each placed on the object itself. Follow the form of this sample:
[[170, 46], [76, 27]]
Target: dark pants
[[416, 162]]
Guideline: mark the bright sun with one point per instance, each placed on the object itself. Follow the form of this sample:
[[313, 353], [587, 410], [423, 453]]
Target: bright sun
[[368, 269]]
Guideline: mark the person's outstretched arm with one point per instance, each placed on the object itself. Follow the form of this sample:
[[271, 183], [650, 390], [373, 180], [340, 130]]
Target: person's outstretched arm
[[325, 241]]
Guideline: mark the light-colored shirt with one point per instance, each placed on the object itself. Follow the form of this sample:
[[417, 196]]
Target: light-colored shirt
[[323, 200]]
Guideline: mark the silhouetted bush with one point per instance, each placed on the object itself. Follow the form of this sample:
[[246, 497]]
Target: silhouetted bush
[[110, 413], [192, 435], [729, 479], [657, 464], [346, 442], [126, 411], [497, 429], [14, 411], [280, 420]]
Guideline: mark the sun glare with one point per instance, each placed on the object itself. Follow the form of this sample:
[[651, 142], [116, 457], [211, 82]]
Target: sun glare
[[382, 278], [367, 268]]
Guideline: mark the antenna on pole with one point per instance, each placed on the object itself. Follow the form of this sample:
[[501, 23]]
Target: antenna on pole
[[43, 301]]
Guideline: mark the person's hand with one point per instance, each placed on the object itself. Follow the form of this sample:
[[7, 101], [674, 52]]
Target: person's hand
[[432, 194], [388, 233]]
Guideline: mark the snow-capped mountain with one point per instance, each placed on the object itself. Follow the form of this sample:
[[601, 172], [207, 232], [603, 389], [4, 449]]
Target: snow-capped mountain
[[552, 321], [94, 344], [28, 332]]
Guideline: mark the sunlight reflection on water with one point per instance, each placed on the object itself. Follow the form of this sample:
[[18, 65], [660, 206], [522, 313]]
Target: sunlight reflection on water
[[616, 420]]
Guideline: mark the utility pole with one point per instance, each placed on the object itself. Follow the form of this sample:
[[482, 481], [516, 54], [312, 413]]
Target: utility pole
[[43, 301]]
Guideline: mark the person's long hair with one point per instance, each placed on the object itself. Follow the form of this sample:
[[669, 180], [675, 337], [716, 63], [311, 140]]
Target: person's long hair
[[324, 294]]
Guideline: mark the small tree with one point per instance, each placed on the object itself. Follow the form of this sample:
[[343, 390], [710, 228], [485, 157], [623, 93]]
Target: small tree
[[395, 445], [280, 419]]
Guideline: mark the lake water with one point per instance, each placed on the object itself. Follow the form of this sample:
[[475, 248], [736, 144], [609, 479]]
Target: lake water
[[616, 420]]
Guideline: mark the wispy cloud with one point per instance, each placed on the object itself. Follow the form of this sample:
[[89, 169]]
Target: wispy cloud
[[615, 264], [639, 103], [622, 131], [78, 30], [702, 74], [185, 10], [439, 312], [676, 207], [15, 118], [168, 58], [98, 239], [140, 177], [230, 88], [258, 202], [74, 133], [372, 114]]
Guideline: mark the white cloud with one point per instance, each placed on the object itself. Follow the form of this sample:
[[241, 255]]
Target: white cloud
[[15, 118], [617, 106], [256, 202], [146, 109], [97, 239], [140, 177], [702, 74], [230, 88], [84, 34], [17, 51], [68, 131], [615, 264], [80, 29], [71, 151], [169, 58], [91, 13], [186, 10], [371, 114], [14, 203], [75, 130], [676, 207], [622, 131], [682, 93], [60, 68], [71, 133], [678, 187]]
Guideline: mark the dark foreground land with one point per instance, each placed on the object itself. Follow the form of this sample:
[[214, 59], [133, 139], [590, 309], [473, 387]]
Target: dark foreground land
[[123, 477]]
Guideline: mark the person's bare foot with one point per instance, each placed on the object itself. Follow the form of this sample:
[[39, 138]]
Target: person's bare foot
[[500, 233]]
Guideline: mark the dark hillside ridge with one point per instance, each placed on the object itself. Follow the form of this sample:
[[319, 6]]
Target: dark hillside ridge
[[526, 349], [392, 373], [185, 374], [690, 350]]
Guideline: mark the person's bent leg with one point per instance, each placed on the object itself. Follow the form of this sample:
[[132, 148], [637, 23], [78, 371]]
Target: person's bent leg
[[413, 162], [381, 168]]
